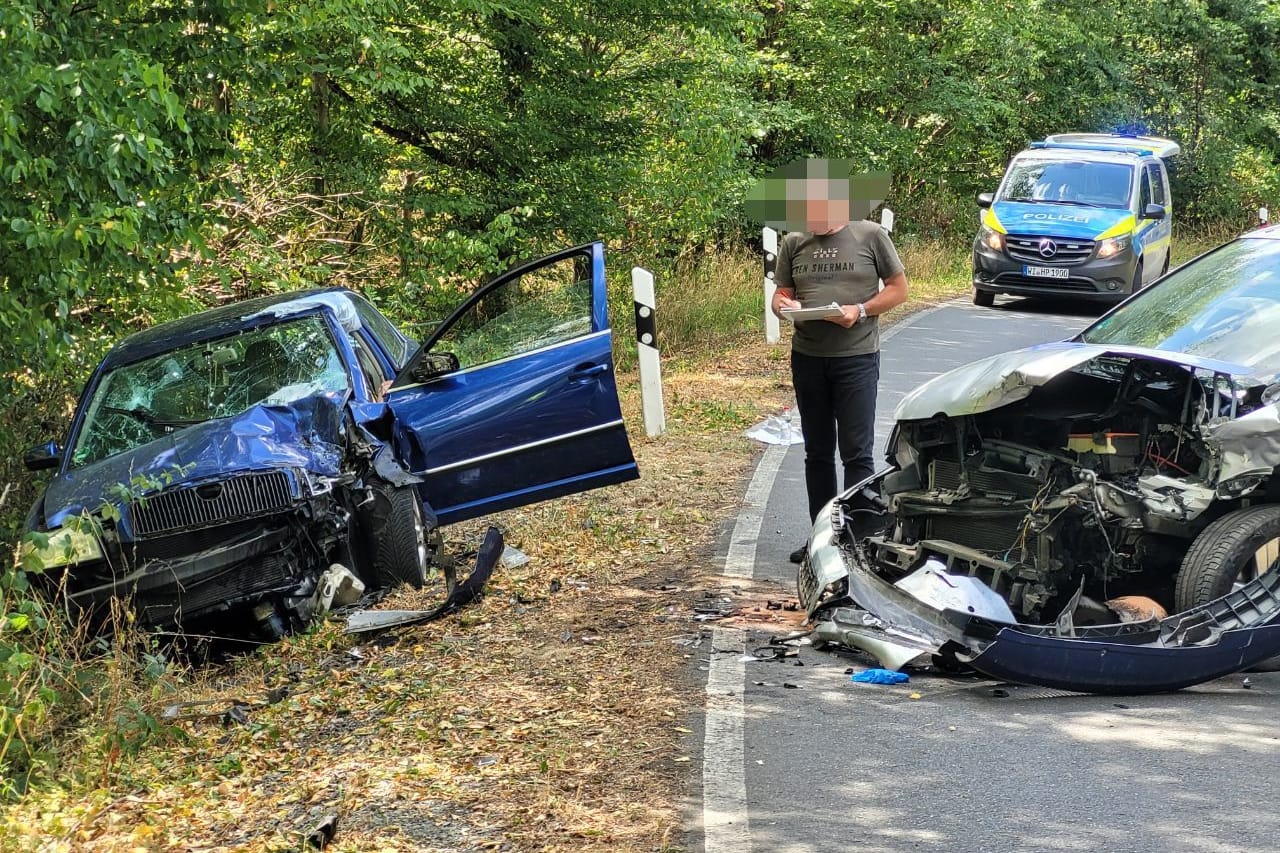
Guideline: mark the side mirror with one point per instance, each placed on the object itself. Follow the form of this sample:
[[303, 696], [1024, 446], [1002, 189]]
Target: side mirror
[[986, 199], [433, 364], [43, 456], [1154, 211]]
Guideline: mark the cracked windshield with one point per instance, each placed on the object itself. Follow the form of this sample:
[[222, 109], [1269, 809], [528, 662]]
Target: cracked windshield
[[149, 399]]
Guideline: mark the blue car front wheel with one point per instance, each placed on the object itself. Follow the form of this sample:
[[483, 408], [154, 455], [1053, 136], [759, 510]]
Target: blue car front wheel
[[401, 553]]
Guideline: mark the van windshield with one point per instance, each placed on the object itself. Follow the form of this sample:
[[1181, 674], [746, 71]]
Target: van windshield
[[1083, 182]]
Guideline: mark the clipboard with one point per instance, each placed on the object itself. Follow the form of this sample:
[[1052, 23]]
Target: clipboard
[[800, 314]]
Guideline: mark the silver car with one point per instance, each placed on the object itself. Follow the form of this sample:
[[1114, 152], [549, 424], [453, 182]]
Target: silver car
[[1113, 479]]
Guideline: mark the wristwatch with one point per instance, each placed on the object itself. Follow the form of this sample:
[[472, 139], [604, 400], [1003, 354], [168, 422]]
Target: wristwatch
[[862, 312]]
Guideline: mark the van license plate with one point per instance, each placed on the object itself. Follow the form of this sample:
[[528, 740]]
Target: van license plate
[[1045, 272]]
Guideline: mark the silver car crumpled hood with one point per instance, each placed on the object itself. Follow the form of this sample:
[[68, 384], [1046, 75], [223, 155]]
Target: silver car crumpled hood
[[1006, 378], [1244, 447], [1247, 446]]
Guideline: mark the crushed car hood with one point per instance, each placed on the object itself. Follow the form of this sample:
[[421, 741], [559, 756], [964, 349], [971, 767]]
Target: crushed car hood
[[306, 433], [1006, 378]]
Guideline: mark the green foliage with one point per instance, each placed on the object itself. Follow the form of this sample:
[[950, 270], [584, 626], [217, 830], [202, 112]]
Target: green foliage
[[103, 152]]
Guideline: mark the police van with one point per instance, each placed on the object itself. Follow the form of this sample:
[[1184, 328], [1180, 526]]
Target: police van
[[1081, 215]]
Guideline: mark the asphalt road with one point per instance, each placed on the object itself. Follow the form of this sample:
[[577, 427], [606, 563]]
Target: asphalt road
[[957, 765]]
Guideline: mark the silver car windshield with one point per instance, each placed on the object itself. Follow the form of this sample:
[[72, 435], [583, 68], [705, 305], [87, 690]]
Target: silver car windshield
[[1225, 305], [140, 402], [1083, 182]]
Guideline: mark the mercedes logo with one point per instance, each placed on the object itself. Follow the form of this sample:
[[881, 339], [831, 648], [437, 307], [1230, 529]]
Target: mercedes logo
[[1048, 248]]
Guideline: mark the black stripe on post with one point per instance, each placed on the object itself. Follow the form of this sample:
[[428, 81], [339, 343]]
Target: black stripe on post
[[646, 325]]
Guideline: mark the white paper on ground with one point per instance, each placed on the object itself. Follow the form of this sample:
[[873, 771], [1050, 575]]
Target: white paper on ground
[[778, 429]]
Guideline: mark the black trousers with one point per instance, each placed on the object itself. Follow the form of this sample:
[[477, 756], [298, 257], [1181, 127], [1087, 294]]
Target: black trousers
[[837, 402]]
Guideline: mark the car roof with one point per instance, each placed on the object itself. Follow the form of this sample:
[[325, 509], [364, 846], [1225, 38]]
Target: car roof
[[1091, 155], [1154, 145], [211, 324]]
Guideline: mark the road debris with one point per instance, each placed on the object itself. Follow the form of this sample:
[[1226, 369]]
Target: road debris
[[462, 595], [879, 676]]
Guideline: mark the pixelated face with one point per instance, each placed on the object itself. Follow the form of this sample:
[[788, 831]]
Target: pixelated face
[[826, 204], [820, 196]]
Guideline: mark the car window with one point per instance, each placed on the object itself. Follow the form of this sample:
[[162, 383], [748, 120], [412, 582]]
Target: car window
[[140, 402], [1224, 305], [1145, 197], [1157, 183], [1083, 182], [397, 346], [548, 305], [369, 365]]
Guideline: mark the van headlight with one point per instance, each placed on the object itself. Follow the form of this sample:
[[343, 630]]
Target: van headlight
[[991, 238], [1113, 246], [65, 546]]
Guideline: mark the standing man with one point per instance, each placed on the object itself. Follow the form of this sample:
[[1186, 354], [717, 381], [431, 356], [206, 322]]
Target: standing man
[[835, 362]]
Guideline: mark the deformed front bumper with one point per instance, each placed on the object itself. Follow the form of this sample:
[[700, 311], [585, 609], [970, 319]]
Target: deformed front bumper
[[179, 591], [837, 585]]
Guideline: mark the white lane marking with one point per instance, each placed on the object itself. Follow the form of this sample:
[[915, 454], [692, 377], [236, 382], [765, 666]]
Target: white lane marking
[[725, 824], [740, 561]]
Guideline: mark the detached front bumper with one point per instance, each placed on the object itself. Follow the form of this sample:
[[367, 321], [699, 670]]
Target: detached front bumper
[[840, 588]]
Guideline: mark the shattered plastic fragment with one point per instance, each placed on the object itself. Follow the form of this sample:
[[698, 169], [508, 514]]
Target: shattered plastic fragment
[[513, 558]]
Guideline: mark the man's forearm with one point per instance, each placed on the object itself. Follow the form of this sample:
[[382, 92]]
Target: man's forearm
[[893, 295]]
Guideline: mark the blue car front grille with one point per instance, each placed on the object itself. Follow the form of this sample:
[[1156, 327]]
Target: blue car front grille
[[209, 504]]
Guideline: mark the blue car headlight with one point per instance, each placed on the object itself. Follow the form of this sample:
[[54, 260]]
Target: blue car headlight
[[65, 546]]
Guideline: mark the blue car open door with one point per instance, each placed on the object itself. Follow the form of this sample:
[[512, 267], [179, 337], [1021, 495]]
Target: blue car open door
[[513, 398]]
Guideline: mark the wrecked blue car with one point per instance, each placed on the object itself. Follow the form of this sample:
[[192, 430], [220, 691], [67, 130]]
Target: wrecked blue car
[[218, 466]]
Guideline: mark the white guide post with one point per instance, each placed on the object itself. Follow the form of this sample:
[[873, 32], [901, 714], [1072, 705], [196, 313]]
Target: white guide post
[[655, 418], [770, 239], [886, 222]]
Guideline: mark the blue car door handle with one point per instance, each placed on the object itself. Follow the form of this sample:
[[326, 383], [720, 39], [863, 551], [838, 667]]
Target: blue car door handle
[[584, 372]]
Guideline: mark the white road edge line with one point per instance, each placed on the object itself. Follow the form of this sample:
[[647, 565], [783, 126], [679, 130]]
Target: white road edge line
[[740, 561], [726, 826]]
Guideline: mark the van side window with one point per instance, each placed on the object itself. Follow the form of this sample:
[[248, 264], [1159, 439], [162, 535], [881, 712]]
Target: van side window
[[1157, 183], [1145, 198]]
